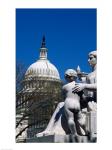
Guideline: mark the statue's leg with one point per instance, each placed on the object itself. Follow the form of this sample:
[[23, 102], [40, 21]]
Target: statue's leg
[[81, 123], [92, 106], [71, 123], [53, 118], [51, 123]]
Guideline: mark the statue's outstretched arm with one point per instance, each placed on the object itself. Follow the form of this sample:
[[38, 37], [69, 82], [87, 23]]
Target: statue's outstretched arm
[[91, 87], [81, 86]]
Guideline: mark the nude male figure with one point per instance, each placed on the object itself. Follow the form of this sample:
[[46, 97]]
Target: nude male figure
[[72, 101], [72, 106], [90, 87]]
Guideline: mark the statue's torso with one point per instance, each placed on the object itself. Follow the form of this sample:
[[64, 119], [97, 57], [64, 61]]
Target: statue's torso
[[71, 100], [91, 79]]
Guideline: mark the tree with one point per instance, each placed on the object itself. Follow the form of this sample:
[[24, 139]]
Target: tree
[[20, 73], [35, 106]]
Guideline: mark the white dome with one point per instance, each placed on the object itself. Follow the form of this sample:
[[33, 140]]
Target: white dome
[[43, 68]]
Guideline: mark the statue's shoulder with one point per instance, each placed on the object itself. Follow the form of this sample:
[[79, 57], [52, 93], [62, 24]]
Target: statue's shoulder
[[68, 85]]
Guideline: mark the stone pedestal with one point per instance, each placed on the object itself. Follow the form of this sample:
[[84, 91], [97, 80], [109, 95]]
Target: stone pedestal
[[91, 122], [55, 138]]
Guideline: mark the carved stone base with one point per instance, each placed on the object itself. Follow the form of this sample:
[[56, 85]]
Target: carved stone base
[[91, 122], [62, 139]]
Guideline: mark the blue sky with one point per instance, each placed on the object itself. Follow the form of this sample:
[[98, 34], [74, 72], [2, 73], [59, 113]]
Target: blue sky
[[70, 35]]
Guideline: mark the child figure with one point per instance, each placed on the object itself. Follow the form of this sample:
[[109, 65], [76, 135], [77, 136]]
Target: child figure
[[72, 106]]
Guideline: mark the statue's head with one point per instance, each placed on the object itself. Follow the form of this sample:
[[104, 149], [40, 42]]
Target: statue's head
[[70, 75], [92, 58]]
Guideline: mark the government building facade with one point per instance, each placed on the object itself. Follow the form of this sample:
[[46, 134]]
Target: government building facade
[[39, 97]]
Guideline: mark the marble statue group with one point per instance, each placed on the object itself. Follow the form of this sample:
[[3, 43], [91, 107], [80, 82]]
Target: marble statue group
[[77, 114]]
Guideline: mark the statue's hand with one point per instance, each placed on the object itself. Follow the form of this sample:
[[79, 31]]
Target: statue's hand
[[78, 87]]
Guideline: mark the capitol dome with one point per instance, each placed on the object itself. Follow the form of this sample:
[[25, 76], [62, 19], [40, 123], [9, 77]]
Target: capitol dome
[[43, 67]]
